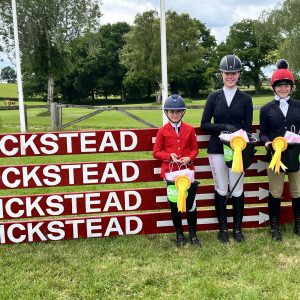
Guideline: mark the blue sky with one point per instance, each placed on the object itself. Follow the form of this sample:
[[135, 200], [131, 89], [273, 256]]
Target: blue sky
[[218, 15]]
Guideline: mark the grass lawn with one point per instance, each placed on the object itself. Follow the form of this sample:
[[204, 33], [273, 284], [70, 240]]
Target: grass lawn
[[39, 118], [147, 266], [9, 90], [151, 267]]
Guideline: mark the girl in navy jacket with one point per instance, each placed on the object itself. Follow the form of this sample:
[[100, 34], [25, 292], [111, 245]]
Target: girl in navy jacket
[[227, 109], [276, 117]]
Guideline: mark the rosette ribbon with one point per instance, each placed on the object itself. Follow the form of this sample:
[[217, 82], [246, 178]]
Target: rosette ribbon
[[182, 183], [238, 144], [279, 145]]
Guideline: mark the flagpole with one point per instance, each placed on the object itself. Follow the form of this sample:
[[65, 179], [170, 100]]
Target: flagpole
[[164, 68], [18, 65]]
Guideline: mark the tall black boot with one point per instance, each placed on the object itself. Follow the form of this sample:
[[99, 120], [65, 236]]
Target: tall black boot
[[238, 213], [296, 212], [192, 222], [222, 217], [274, 213], [177, 221]]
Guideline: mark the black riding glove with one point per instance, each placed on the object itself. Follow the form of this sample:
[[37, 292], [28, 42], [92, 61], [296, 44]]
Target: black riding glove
[[231, 128]]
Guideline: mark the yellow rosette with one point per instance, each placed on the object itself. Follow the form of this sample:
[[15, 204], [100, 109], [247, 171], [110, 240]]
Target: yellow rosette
[[279, 144], [182, 183], [238, 144]]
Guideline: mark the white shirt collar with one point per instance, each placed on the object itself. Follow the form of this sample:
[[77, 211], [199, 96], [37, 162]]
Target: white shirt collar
[[282, 99]]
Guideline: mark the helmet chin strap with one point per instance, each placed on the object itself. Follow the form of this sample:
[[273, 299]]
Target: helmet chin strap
[[166, 113], [278, 95]]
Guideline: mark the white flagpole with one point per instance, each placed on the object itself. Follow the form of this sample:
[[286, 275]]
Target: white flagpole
[[164, 67], [18, 65]]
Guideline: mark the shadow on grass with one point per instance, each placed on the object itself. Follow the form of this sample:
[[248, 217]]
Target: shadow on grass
[[44, 114]]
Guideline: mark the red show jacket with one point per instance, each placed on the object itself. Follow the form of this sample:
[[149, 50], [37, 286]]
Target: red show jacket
[[167, 142]]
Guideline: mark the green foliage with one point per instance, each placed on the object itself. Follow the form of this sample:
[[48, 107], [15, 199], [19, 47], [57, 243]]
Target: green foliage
[[296, 92], [187, 55], [94, 64], [284, 24], [45, 29], [141, 52], [252, 42], [8, 74]]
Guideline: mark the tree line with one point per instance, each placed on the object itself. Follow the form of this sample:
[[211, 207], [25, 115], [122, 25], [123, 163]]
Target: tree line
[[66, 52]]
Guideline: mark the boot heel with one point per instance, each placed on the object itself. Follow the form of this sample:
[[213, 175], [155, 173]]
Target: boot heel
[[274, 213], [238, 213], [223, 236], [220, 207], [238, 236], [180, 238], [296, 212]]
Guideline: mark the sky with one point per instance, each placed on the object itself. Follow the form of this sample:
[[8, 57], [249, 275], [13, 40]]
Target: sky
[[218, 15]]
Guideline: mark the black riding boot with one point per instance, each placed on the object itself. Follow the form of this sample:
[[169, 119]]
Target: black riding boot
[[238, 213], [222, 217], [192, 222], [274, 213], [177, 221], [296, 211]]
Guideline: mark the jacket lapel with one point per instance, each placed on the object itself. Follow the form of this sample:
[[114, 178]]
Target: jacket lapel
[[290, 109], [235, 98], [223, 99]]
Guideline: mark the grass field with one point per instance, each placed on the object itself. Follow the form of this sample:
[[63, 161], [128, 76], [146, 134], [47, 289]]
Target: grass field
[[39, 119], [142, 267], [8, 90]]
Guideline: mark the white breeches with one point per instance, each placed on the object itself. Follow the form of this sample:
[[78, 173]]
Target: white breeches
[[223, 176]]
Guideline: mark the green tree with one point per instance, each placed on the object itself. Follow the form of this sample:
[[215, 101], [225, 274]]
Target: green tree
[[95, 66], [284, 23], [252, 42], [45, 30], [201, 78], [8, 74], [141, 53], [111, 42]]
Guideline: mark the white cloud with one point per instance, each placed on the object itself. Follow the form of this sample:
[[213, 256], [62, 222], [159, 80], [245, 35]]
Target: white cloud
[[123, 10], [218, 15], [251, 11]]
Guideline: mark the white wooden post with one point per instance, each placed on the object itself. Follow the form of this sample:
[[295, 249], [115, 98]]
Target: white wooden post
[[164, 65], [18, 65]]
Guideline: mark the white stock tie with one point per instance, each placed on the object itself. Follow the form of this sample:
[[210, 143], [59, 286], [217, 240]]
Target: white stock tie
[[283, 104]]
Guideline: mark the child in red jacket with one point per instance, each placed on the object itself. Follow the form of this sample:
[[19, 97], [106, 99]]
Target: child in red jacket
[[176, 145]]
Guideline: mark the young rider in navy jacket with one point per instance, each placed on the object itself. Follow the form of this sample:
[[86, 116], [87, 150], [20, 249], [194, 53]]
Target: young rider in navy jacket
[[176, 143], [276, 117], [227, 109]]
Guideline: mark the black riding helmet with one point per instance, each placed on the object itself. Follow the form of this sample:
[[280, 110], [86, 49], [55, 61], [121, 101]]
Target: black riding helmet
[[230, 63], [174, 102]]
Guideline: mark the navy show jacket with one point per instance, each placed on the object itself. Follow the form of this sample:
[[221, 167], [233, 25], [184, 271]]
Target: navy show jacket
[[273, 123], [239, 114]]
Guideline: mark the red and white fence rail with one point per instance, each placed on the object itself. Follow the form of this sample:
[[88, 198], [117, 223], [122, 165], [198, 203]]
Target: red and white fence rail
[[103, 213]]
